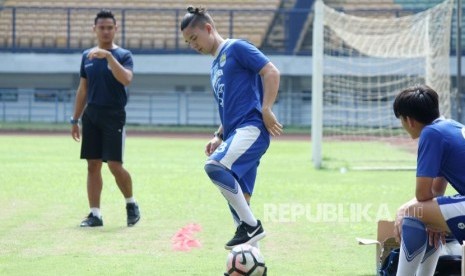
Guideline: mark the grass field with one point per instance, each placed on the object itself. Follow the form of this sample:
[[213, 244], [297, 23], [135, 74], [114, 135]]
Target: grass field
[[43, 199]]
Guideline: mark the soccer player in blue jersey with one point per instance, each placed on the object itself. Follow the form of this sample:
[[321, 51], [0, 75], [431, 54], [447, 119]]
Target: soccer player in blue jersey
[[245, 84], [101, 98], [422, 222]]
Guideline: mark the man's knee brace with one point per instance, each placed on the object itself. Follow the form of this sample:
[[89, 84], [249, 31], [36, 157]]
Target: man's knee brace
[[221, 177], [414, 237]]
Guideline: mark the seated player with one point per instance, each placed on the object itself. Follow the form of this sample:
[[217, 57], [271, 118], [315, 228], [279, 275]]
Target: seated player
[[422, 222]]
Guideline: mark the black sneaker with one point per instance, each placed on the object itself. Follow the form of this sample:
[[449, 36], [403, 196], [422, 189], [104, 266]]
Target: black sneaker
[[132, 210], [92, 221], [246, 234]]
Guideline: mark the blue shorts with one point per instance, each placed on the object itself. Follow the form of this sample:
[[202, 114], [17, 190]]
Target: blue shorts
[[241, 153], [453, 211]]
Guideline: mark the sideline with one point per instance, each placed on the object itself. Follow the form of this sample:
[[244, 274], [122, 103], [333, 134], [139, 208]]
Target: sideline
[[140, 133]]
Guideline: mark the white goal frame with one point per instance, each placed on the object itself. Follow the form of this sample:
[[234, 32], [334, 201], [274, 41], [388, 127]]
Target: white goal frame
[[436, 73]]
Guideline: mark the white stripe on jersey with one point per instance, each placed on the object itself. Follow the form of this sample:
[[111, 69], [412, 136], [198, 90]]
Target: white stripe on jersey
[[243, 139], [452, 210]]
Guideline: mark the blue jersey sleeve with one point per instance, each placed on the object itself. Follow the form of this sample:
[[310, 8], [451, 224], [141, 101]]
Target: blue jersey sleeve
[[430, 153], [248, 56]]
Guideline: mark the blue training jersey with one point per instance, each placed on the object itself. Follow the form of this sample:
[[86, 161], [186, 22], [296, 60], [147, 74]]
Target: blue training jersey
[[237, 85], [441, 152], [103, 89]]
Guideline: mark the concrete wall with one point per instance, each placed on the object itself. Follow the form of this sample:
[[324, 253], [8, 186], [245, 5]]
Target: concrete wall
[[152, 73]]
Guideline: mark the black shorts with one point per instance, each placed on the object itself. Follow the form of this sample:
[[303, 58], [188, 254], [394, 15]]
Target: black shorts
[[103, 133]]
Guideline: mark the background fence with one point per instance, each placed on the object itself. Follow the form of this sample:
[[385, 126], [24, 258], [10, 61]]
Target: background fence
[[176, 108]]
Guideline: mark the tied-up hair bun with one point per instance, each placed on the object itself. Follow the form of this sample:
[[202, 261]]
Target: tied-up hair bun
[[419, 93], [193, 10]]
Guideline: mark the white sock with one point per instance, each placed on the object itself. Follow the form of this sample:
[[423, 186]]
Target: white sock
[[231, 190], [96, 212], [255, 244], [428, 264], [236, 219], [238, 202], [413, 246], [130, 200]]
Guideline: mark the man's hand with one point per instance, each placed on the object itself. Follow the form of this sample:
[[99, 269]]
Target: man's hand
[[75, 132], [435, 237], [212, 145], [398, 227], [98, 53], [271, 123]]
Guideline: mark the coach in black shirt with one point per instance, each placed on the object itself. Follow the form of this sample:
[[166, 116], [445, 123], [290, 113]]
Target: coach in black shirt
[[106, 70]]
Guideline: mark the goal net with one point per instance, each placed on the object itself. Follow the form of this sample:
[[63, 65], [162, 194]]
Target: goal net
[[359, 64]]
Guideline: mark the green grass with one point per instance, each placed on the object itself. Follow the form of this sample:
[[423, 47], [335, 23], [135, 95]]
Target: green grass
[[368, 155], [43, 198]]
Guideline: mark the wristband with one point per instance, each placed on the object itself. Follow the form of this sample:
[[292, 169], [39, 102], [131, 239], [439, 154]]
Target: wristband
[[73, 121]]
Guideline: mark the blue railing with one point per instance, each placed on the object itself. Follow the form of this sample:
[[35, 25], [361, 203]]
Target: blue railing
[[177, 108], [145, 108]]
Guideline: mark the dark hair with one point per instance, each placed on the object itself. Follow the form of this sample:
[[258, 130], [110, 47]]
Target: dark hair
[[195, 17], [419, 102], [104, 14]]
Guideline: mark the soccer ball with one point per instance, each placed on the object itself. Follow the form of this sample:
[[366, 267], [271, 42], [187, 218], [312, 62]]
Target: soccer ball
[[245, 259]]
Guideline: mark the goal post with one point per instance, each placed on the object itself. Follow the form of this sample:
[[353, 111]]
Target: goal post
[[317, 85], [360, 63]]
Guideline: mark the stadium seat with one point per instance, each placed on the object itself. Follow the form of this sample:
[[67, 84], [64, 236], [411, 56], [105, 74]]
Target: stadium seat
[[3, 42], [61, 42], [37, 42], [24, 41]]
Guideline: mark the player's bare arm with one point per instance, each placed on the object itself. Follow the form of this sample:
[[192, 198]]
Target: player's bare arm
[[123, 75], [270, 78], [437, 236], [79, 105], [428, 211], [424, 188], [439, 186]]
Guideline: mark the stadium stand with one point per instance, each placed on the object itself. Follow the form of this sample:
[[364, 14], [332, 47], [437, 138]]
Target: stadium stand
[[378, 8], [288, 26], [363, 4], [276, 26], [171, 4], [426, 4], [150, 29], [418, 5], [144, 24]]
